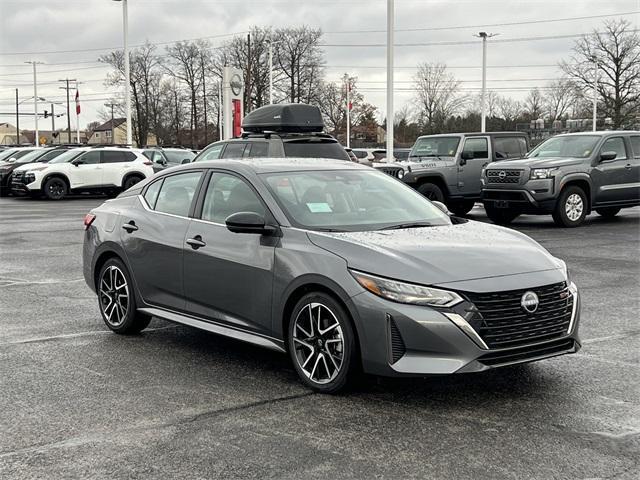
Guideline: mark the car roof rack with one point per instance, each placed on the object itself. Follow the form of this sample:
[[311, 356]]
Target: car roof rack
[[284, 118]]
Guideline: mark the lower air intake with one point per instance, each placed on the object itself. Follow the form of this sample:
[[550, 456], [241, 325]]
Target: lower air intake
[[396, 344]]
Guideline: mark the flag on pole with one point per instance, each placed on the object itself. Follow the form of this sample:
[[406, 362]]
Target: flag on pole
[[77, 102]]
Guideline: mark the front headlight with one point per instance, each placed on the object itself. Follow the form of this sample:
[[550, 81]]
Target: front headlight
[[539, 173], [402, 292], [565, 269], [400, 173]]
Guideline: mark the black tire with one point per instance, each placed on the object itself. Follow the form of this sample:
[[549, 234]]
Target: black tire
[[4, 191], [432, 192], [608, 212], [55, 188], [337, 343], [461, 208], [501, 216], [571, 207], [119, 313], [130, 181]]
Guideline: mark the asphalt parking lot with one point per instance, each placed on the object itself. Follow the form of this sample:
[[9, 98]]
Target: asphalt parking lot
[[77, 401]]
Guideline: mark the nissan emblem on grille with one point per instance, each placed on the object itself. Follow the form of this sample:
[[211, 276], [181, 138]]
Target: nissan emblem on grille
[[502, 174], [529, 302]]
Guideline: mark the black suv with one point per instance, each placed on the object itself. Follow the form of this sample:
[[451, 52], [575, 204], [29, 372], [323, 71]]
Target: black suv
[[448, 167], [567, 176], [282, 130]]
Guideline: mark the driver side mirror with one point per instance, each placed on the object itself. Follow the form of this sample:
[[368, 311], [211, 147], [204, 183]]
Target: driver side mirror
[[464, 156], [604, 156], [77, 162], [249, 222], [441, 206]]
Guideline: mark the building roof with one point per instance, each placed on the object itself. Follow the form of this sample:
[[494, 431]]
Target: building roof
[[107, 125]]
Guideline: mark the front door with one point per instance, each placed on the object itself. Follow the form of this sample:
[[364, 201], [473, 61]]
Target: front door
[[230, 277], [87, 170], [613, 179], [470, 169]]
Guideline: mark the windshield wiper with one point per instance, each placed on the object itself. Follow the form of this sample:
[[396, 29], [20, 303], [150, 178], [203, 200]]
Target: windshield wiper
[[408, 225]]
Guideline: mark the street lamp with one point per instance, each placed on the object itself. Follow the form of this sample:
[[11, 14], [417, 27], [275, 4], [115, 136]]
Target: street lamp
[[390, 114], [483, 93], [127, 76]]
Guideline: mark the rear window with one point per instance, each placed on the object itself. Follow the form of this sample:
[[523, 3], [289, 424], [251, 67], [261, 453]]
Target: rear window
[[510, 147], [635, 145], [313, 149]]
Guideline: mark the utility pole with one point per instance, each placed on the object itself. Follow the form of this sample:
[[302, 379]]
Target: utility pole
[[270, 70], [35, 102], [204, 97], [483, 94], [111, 105], [347, 84], [390, 113], [247, 92], [220, 137], [67, 88], [53, 122], [595, 94], [77, 114], [17, 121]]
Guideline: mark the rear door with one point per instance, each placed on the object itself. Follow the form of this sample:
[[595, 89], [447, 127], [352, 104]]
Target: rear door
[[470, 170], [87, 170], [613, 179], [114, 164]]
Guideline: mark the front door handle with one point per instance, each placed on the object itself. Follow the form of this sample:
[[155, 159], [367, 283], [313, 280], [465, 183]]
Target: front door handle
[[130, 227], [196, 242], [627, 166]]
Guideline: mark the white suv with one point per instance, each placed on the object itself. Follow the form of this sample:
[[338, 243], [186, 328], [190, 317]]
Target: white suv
[[105, 169]]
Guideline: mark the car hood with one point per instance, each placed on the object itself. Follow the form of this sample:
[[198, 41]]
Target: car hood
[[438, 255], [29, 166], [546, 162]]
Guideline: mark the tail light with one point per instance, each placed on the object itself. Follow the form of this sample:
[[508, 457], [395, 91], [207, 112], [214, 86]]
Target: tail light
[[88, 220], [148, 162]]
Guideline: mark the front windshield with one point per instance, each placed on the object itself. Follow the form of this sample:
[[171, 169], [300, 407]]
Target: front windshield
[[435, 147], [32, 156], [577, 146], [16, 154], [67, 156], [339, 200], [175, 156]]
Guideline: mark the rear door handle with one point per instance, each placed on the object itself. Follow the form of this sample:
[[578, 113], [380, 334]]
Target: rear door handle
[[130, 227], [627, 166], [196, 242]]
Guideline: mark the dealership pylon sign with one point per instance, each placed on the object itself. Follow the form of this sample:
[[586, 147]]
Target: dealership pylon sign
[[232, 107]]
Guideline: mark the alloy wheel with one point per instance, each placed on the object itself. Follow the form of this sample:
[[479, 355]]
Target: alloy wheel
[[319, 343], [114, 295], [574, 207], [56, 189]]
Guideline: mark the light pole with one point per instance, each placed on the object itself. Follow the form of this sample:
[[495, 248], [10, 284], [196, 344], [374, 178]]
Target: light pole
[[347, 85], [595, 94], [270, 71], [127, 75], [36, 140], [483, 93], [390, 114]]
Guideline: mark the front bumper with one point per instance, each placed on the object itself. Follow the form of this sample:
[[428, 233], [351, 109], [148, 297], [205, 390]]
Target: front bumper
[[535, 196], [409, 340]]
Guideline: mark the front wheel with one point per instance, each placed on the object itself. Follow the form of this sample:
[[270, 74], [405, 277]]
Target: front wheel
[[321, 343], [432, 192], [571, 208], [130, 182], [117, 300], [501, 216], [55, 189], [461, 208], [608, 212]]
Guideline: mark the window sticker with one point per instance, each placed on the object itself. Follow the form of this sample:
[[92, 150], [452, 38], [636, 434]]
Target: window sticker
[[320, 207]]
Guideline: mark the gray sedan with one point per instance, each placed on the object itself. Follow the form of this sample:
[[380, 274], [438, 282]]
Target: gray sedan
[[342, 267]]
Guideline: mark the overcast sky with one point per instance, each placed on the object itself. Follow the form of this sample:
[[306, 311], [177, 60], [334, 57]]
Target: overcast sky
[[32, 27]]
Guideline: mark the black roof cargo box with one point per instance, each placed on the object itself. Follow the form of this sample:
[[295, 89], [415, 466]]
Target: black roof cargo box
[[287, 117]]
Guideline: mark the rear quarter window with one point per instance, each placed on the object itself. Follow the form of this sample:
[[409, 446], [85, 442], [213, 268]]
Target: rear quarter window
[[311, 149], [635, 145]]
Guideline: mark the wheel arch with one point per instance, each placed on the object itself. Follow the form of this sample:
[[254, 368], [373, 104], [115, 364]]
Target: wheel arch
[[51, 175], [581, 181], [436, 179], [128, 175]]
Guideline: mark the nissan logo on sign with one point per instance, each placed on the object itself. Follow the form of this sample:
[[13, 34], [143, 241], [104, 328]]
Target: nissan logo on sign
[[236, 84]]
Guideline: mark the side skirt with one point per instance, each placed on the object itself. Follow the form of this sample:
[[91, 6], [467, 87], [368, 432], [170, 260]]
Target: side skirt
[[262, 341]]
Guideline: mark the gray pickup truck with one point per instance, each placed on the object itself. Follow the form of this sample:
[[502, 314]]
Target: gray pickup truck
[[567, 176], [448, 167]]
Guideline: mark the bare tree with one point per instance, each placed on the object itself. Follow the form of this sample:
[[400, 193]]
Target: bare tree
[[509, 109], [438, 95], [533, 104], [559, 97], [332, 101], [616, 51], [492, 100], [300, 59]]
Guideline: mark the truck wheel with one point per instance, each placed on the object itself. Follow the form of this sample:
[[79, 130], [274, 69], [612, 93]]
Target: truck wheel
[[608, 212], [501, 216], [571, 208], [461, 208], [55, 188], [432, 192]]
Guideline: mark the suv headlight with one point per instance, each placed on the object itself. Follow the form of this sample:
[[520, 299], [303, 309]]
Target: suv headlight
[[402, 292], [538, 173]]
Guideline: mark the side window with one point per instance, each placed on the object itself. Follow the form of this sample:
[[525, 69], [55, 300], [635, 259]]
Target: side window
[[257, 149], [226, 195], [615, 144], [523, 146], [477, 146], [151, 195], [509, 147], [234, 150], [111, 156], [176, 193], [635, 145], [89, 158], [212, 153], [128, 156]]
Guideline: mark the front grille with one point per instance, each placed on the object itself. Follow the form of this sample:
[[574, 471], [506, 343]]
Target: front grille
[[524, 354], [503, 176], [396, 344], [504, 323], [392, 171]]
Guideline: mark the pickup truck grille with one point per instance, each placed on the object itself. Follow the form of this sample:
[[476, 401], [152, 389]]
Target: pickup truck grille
[[503, 176], [505, 323]]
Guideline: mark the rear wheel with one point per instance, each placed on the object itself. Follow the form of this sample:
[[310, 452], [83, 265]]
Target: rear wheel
[[461, 208], [432, 192], [131, 181], [117, 300], [55, 188], [321, 343], [608, 212], [571, 208], [501, 216]]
